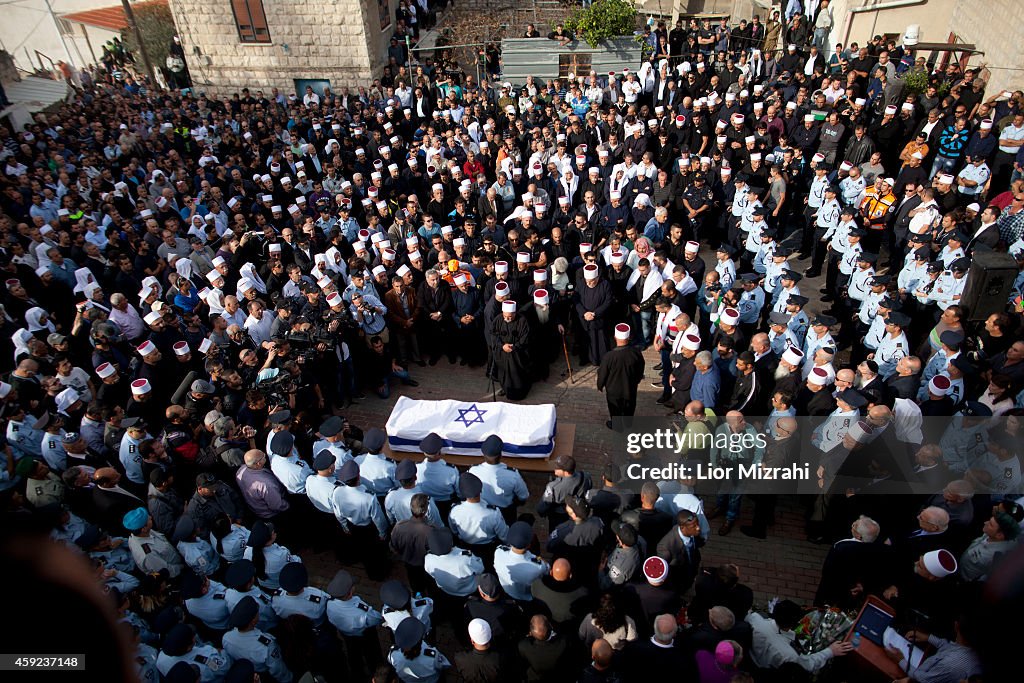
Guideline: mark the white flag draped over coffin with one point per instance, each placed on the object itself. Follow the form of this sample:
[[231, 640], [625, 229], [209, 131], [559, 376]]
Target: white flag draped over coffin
[[528, 431]]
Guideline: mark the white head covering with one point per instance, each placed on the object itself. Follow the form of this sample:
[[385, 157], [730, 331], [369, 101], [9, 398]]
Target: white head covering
[[249, 271], [34, 318], [21, 339], [83, 276], [184, 268]]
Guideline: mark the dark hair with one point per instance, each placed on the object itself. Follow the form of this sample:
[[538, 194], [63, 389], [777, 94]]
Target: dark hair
[[609, 615]]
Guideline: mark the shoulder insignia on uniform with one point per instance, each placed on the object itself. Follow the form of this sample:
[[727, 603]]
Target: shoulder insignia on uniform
[[201, 659], [276, 592], [146, 548], [314, 599], [263, 598], [390, 460], [14, 428], [899, 345], [429, 652], [387, 610], [419, 603], [363, 606], [504, 547], [491, 507], [977, 437], [219, 596], [39, 490], [536, 560], [513, 469], [264, 640], [466, 553]]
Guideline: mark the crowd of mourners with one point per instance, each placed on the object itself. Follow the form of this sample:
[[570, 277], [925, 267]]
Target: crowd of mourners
[[197, 288]]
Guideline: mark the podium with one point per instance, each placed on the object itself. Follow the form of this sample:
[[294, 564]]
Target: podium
[[869, 658]]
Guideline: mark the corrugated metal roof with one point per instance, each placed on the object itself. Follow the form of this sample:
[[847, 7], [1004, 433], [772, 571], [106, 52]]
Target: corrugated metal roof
[[111, 18], [538, 57], [36, 93]]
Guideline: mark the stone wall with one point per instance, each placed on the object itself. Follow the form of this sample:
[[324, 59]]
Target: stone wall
[[338, 40], [995, 27]]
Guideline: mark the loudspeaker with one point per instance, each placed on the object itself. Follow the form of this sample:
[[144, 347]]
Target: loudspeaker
[[988, 284]]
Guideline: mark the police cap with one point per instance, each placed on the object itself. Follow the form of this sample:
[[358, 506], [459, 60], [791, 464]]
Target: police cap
[[349, 471], [282, 443], [492, 446], [294, 577], [323, 460], [331, 426], [431, 444], [440, 542], [394, 594], [409, 633], [244, 612], [470, 485], [340, 585], [520, 535], [239, 574], [374, 439]]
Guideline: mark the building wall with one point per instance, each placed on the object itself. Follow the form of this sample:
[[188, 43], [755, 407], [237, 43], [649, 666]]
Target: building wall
[[28, 25], [337, 40], [995, 27]]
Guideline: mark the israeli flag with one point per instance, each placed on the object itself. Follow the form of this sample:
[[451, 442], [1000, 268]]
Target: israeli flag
[[528, 431]]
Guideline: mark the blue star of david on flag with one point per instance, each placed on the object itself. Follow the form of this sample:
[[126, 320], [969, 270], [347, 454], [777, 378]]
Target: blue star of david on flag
[[470, 416]]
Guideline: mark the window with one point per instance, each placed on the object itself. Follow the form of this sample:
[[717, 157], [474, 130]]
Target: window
[[251, 21], [576, 63]]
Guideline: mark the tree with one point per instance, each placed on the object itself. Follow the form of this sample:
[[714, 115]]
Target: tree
[[602, 20], [156, 26]]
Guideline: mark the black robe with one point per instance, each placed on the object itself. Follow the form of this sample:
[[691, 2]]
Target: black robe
[[511, 369], [621, 370], [545, 340]]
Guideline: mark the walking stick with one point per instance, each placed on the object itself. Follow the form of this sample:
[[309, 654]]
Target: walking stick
[[568, 363]]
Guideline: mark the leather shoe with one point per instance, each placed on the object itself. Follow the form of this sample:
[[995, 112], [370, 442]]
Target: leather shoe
[[658, 366]]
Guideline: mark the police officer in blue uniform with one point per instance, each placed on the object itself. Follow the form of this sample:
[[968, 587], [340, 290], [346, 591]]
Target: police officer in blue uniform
[[362, 520], [413, 659], [517, 568], [477, 525], [296, 597], [320, 486], [246, 641], [357, 623], [240, 579], [435, 477], [205, 600], [399, 603], [454, 570], [397, 503], [503, 486], [376, 471], [180, 646], [333, 440], [197, 552]]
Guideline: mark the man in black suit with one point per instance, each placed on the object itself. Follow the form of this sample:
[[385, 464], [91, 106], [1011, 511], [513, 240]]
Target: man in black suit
[[851, 569], [660, 658], [907, 380], [651, 524], [932, 534], [111, 501], [680, 547]]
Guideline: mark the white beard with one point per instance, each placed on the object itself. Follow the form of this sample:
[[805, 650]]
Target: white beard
[[781, 372], [543, 314]]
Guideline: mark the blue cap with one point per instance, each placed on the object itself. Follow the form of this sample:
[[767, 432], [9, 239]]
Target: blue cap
[[519, 535], [239, 574], [405, 470], [394, 594], [293, 577], [440, 542], [136, 519], [470, 485], [179, 638], [374, 439], [331, 426], [492, 446], [431, 444], [185, 527], [282, 443], [348, 471], [244, 612], [323, 460], [409, 633], [183, 672]]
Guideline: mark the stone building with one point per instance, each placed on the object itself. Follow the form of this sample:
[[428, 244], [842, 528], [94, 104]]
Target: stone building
[[288, 44]]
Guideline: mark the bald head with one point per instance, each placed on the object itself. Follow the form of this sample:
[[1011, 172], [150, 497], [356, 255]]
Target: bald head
[[255, 458], [935, 517], [787, 424], [879, 415], [540, 627], [561, 570], [601, 654], [664, 628], [846, 375]]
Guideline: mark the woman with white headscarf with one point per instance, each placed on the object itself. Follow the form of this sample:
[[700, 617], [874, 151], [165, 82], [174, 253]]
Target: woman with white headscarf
[[335, 263], [249, 271], [568, 184], [96, 298], [155, 285], [184, 268], [215, 300], [39, 323], [21, 338], [83, 276]]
